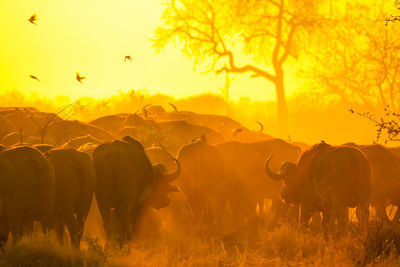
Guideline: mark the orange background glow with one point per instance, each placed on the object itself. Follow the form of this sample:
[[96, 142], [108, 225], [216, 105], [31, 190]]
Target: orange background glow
[[92, 37]]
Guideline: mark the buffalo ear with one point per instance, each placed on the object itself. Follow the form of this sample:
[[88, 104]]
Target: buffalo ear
[[158, 170]]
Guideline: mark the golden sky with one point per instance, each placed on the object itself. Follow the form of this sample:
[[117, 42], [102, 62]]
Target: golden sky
[[92, 37]]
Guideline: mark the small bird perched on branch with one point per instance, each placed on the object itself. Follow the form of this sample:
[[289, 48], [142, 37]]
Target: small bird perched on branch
[[33, 18], [127, 58], [34, 77], [79, 78]]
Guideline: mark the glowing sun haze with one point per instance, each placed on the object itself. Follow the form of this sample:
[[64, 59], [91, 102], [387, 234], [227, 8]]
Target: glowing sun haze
[[93, 37]]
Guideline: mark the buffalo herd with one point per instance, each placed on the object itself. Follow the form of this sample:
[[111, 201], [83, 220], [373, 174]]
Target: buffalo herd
[[53, 171]]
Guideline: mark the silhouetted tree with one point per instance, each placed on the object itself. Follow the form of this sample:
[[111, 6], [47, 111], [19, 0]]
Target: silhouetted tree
[[388, 126], [227, 85], [64, 113], [219, 32], [361, 61], [394, 18]]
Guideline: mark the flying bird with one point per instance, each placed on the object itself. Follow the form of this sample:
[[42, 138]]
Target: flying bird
[[33, 18], [127, 58], [34, 77], [79, 78]]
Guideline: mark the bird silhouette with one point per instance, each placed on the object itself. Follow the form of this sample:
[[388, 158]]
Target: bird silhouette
[[34, 77], [127, 58], [33, 18], [79, 78]]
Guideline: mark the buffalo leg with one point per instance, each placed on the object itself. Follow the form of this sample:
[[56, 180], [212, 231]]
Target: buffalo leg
[[396, 217], [59, 229], [279, 210], [327, 217], [80, 225], [16, 233], [362, 212], [342, 216], [315, 224], [305, 216], [137, 217], [292, 216], [105, 212], [381, 211], [123, 218], [70, 221], [4, 231]]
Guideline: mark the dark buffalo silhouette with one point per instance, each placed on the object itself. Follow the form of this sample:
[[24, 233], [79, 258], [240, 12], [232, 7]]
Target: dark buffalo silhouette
[[161, 155], [26, 191], [111, 123], [178, 214], [215, 199], [227, 128], [43, 147], [328, 179], [127, 184], [245, 162], [6, 127], [385, 178], [75, 180], [63, 131], [80, 141]]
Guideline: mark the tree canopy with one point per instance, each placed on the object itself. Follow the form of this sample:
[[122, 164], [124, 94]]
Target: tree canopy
[[361, 61], [217, 32]]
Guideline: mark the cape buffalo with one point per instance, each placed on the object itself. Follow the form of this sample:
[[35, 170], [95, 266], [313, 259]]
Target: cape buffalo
[[63, 131], [214, 198], [127, 184], [6, 127], [43, 147], [111, 123], [385, 177], [178, 214], [80, 141], [245, 162], [161, 155], [328, 179], [26, 191], [74, 187]]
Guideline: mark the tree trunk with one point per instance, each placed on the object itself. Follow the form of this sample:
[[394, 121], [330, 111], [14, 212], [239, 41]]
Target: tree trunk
[[282, 109]]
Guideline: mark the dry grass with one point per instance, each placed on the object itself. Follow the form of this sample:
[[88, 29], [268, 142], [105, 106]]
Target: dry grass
[[45, 250], [283, 246]]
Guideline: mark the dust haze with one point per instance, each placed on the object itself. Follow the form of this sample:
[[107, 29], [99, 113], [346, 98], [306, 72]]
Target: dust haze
[[200, 133]]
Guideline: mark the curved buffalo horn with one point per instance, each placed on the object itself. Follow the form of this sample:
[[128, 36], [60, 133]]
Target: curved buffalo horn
[[173, 106], [174, 175], [146, 106], [261, 127], [144, 109], [270, 173]]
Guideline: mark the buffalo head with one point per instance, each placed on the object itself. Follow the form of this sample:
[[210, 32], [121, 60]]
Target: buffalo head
[[287, 173], [159, 196]]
